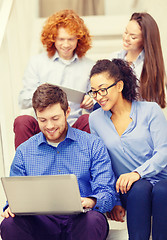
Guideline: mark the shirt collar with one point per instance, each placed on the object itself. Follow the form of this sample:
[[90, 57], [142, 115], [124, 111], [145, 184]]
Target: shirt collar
[[70, 135], [109, 113], [139, 58], [122, 54], [41, 138], [56, 57]]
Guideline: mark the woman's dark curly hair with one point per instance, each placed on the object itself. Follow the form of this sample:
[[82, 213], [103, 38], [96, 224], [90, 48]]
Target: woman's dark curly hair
[[119, 70]]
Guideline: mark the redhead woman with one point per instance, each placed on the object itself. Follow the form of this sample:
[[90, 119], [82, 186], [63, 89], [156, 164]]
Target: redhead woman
[[135, 133]]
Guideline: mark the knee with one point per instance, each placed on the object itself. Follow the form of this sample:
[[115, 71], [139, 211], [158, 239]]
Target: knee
[[91, 217], [6, 226], [140, 190], [159, 192], [95, 219], [92, 225], [22, 121], [82, 123]]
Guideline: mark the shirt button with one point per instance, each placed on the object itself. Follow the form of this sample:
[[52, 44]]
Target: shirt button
[[59, 170], [58, 152]]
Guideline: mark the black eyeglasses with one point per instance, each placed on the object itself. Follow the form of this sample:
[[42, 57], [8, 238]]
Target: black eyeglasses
[[102, 91]]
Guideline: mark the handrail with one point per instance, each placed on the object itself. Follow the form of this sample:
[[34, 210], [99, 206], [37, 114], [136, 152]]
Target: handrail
[[2, 152], [4, 16], [16, 24], [5, 11]]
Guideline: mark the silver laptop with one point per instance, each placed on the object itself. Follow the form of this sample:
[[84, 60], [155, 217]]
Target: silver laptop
[[53, 194]]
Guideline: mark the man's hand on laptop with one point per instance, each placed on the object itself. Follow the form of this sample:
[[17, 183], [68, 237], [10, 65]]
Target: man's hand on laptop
[[7, 213], [88, 202]]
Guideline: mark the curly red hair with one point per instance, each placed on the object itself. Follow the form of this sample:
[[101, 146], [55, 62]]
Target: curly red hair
[[74, 25]]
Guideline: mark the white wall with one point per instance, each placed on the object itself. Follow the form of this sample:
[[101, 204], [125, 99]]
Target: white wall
[[16, 19], [158, 10]]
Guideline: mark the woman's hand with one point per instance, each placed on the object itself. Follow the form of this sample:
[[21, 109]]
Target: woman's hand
[[7, 213], [117, 214], [87, 102], [126, 180]]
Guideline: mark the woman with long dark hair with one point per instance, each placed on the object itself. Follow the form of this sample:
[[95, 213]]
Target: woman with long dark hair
[[142, 50]]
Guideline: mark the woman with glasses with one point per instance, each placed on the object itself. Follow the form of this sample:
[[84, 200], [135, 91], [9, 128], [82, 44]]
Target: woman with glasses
[[135, 133], [142, 50]]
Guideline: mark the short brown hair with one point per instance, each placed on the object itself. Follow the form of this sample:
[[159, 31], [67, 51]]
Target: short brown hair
[[75, 26], [47, 94]]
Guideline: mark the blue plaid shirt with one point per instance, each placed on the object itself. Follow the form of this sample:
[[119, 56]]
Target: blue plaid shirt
[[82, 154]]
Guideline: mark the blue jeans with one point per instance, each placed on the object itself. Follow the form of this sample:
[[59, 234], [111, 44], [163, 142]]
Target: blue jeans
[[142, 201]]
